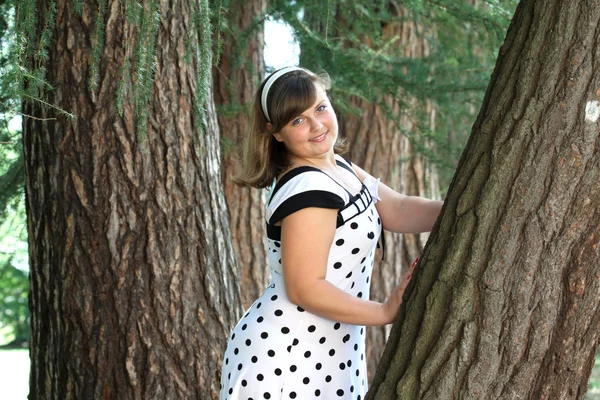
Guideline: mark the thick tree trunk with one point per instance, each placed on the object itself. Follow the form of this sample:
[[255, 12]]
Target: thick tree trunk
[[236, 79], [380, 145], [133, 286], [504, 302]]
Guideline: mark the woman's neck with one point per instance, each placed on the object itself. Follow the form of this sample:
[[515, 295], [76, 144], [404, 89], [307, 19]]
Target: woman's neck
[[329, 166], [326, 162]]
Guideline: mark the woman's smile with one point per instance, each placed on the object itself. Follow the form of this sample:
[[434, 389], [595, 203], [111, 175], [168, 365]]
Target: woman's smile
[[320, 138]]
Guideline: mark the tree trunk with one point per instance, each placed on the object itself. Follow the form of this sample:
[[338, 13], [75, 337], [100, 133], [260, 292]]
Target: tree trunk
[[133, 286], [380, 145], [504, 301], [237, 77]]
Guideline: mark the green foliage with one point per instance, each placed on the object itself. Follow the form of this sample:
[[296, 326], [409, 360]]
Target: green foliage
[[14, 284], [12, 174], [203, 28], [98, 43], [25, 47], [6, 22], [23, 78], [14, 313], [14, 308], [77, 7], [147, 21], [219, 12], [358, 45]]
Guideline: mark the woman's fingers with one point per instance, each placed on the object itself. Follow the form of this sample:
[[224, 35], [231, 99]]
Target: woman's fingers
[[393, 303]]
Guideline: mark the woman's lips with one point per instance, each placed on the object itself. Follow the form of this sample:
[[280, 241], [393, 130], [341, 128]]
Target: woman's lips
[[319, 138]]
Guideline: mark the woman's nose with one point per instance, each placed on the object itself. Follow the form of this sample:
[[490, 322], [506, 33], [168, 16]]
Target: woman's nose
[[315, 125]]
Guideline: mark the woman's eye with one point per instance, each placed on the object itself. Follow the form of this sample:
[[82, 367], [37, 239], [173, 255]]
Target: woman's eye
[[321, 108], [296, 121]]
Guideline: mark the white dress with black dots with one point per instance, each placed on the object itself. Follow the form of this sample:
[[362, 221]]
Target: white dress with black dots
[[280, 351]]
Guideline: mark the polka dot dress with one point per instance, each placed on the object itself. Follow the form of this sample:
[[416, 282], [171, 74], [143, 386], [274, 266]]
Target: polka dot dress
[[280, 351]]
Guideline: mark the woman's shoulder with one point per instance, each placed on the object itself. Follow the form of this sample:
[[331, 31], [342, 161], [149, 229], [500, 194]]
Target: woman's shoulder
[[303, 187], [304, 179]]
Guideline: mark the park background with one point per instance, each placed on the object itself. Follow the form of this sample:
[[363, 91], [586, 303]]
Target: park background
[[444, 56]]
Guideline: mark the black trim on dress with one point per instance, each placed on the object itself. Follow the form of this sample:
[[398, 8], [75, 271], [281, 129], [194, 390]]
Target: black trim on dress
[[346, 165], [273, 232], [310, 198], [318, 198]]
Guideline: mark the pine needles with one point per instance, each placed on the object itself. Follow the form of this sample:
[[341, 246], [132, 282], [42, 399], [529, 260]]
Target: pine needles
[[24, 74]]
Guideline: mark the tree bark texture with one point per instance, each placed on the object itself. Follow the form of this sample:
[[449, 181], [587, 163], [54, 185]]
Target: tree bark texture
[[381, 146], [133, 286], [237, 77], [504, 303]]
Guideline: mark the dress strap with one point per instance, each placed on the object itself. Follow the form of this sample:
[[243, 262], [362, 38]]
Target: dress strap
[[345, 163]]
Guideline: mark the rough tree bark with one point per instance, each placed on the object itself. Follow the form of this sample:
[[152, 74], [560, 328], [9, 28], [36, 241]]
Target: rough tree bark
[[504, 301], [133, 286], [237, 77]]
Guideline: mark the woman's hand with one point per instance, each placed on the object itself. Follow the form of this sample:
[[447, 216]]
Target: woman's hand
[[392, 304]]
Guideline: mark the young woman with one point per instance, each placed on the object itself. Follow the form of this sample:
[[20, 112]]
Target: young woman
[[304, 338]]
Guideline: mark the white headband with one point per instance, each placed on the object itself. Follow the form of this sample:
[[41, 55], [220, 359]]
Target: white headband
[[270, 82]]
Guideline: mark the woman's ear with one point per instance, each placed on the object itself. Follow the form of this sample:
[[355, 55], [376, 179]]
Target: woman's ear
[[276, 135]]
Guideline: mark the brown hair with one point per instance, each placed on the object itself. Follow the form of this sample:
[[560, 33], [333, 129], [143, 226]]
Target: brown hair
[[264, 158]]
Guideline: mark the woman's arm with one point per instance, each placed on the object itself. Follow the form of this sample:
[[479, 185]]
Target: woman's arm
[[403, 214], [306, 238]]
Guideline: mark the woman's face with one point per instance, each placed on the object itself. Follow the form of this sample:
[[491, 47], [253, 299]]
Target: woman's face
[[313, 133]]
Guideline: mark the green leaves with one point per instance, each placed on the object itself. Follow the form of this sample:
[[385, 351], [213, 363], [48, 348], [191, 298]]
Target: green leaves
[[14, 285], [14, 310], [437, 51]]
